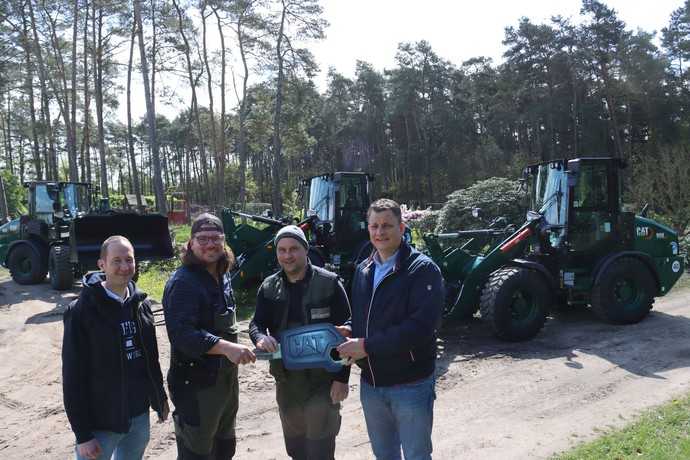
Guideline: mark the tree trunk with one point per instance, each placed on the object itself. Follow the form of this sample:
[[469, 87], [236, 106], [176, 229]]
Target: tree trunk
[[64, 100], [73, 115], [220, 174], [195, 106], [276, 196], [7, 133], [98, 69], [86, 139], [241, 135], [4, 211], [209, 81], [130, 138], [611, 110], [151, 116], [51, 158], [30, 96]]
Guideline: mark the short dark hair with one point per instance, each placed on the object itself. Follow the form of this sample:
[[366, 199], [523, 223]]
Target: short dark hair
[[110, 240], [385, 204]]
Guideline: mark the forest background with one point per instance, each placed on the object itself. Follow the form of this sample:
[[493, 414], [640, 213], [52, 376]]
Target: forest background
[[424, 128]]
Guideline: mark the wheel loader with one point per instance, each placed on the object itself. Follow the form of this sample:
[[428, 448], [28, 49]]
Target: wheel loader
[[61, 235], [577, 246]]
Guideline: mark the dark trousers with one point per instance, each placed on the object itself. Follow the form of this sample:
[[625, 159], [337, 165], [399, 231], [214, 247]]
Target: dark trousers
[[205, 418], [309, 418]]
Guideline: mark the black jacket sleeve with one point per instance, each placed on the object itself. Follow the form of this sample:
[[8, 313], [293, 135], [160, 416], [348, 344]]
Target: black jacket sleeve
[[159, 396], [75, 356], [340, 307], [181, 303]]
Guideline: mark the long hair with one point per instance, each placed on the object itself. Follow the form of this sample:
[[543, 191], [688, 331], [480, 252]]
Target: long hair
[[224, 264]]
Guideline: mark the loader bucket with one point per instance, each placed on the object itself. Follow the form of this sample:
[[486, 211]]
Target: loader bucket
[[149, 235]]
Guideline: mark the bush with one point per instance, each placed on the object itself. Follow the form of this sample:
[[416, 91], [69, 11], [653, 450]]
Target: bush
[[15, 194], [422, 220], [496, 197]]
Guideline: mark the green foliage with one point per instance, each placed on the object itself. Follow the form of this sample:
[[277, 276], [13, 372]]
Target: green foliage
[[496, 197], [15, 194], [660, 179], [661, 433]]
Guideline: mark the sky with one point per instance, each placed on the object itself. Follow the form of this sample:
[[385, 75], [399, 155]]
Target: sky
[[457, 30]]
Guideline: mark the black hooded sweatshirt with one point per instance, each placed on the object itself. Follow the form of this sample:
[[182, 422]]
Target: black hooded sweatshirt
[[110, 369]]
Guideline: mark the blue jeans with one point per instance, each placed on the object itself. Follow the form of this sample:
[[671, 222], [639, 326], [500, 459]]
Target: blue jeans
[[400, 415], [124, 446]]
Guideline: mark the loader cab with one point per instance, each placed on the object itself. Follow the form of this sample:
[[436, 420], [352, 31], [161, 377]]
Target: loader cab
[[58, 200], [43, 197], [579, 200], [596, 224], [340, 202], [75, 199]]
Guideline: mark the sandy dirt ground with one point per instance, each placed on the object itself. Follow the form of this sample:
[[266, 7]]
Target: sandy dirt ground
[[494, 400]]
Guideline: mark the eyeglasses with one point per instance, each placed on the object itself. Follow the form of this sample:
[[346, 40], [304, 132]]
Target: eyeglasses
[[210, 239]]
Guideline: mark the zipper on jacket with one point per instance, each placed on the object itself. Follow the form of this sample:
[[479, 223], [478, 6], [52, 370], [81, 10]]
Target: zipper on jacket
[[123, 379], [411, 356], [146, 358], [366, 332]]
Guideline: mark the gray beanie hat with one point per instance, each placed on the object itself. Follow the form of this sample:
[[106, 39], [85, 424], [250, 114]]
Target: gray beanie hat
[[292, 231]]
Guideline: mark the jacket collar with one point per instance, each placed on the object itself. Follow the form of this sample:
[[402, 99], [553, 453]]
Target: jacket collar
[[404, 252], [93, 288]]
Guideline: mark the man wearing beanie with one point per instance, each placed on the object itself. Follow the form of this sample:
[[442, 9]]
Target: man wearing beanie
[[200, 318], [301, 294]]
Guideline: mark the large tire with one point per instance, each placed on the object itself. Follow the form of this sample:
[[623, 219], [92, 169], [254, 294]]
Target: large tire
[[26, 265], [60, 268], [625, 291], [515, 302]]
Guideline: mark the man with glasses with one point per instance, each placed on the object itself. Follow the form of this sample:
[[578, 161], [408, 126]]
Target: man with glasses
[[200, 318]]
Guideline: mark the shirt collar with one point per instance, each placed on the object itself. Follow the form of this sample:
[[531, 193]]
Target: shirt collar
[[388, 263], [114, 296]]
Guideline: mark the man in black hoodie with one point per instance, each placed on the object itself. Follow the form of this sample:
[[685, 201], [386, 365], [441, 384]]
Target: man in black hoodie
[[110, 370]]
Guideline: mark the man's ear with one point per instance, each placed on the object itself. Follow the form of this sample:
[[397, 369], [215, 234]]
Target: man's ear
[[101, 264]]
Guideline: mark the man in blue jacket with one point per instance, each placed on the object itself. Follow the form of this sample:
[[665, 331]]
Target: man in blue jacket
[[397, 296]]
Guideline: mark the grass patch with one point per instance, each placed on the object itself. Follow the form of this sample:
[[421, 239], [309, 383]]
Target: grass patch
[[660, 433]]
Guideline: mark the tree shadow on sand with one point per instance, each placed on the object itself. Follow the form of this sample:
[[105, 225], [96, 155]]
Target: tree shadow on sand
[[577, 330], [12, 295]]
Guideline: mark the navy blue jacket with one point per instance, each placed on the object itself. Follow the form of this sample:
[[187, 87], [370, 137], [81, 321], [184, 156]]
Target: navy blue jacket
[[399, 319], [191, 299], [93, 364]]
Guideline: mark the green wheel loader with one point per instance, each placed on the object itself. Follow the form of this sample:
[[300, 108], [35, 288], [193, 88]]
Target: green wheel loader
[[335, 206], [61, 235], [577, 246]]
